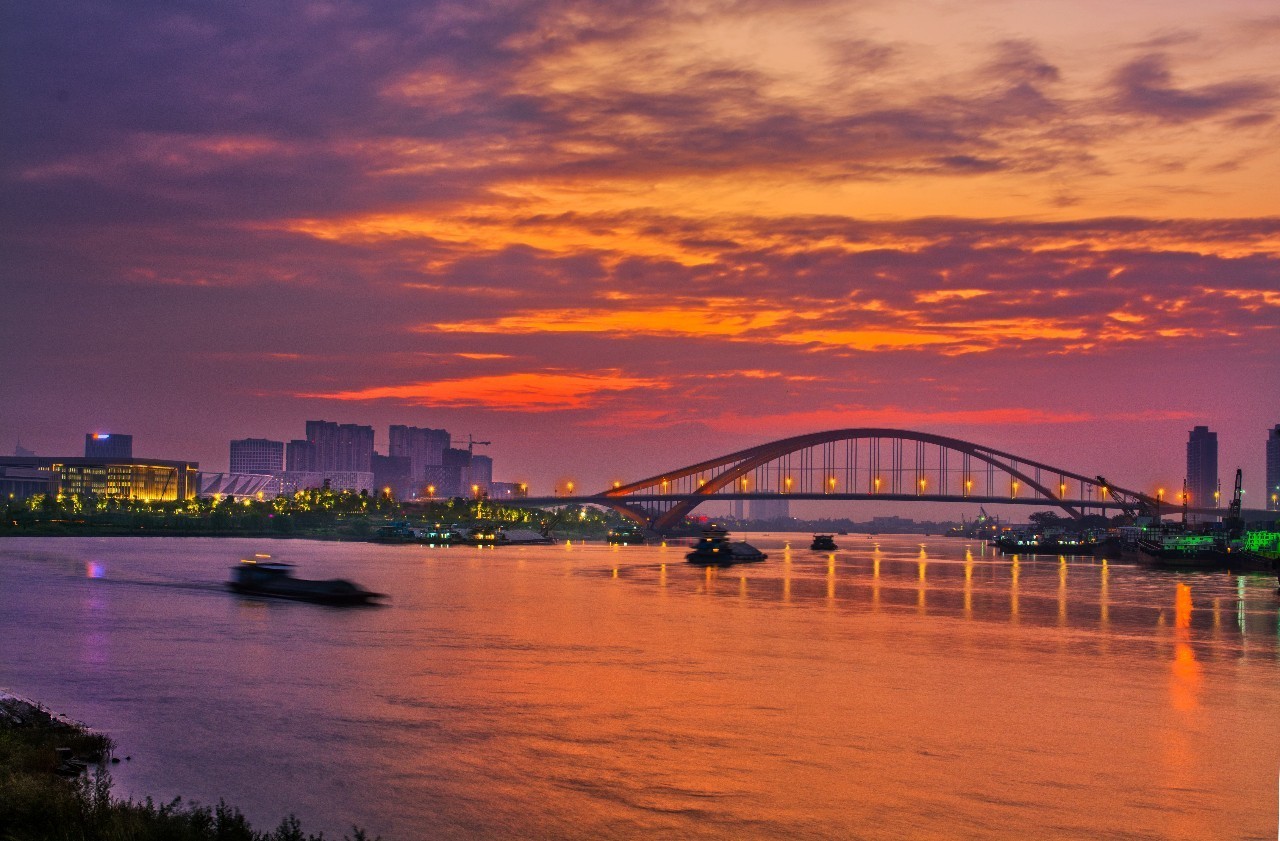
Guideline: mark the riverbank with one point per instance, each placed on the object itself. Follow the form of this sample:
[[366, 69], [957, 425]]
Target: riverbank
[[55, 784], [316, 515]]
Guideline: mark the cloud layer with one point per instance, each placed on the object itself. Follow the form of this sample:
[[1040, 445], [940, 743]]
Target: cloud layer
[[629, 219]]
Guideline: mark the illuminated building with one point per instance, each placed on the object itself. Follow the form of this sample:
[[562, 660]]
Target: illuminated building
[[345, 447], [256, 455], [238, 486], [153, 480], [1273, 468], [1202, 465], [108, 445]]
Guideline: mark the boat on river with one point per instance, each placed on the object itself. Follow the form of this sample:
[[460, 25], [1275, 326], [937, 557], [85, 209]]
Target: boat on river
[[626, 536], [1049, 543], [824, 543], [261, 576], [494, 535], [715, 548]]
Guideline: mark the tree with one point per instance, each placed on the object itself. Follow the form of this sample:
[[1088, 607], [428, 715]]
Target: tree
[[1044, 520]]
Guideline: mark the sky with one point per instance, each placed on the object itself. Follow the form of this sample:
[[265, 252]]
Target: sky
[[617, 237]]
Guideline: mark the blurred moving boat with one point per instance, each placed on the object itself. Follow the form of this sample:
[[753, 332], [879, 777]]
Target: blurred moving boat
[[715, 549], [261, 576]]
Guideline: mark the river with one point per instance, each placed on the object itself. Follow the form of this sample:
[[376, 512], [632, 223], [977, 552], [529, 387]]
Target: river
[[900, 687]]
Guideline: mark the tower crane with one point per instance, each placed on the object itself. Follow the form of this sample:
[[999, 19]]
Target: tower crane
[[471, 444]]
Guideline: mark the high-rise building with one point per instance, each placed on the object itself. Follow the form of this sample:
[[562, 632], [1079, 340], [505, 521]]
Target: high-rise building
[[770, 510], [481, 474], [256, 455], [392, 472], [1202, 466], [300, 456], [341, 446], [1273, 468], [423, 447], [108, 445]]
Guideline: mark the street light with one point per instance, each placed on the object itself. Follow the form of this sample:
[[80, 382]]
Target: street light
[[569, 486], [877, 484], [787, 481], [431, 490]]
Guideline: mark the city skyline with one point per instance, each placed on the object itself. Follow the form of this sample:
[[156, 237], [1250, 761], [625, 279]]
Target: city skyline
[[250, 447], [614, 240]]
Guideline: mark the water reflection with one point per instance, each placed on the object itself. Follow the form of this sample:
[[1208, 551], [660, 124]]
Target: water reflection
[[1186, 671], [886, 690], [967, 582]]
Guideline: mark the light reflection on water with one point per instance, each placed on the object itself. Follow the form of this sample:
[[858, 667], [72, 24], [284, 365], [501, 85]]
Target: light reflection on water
[[897, 687]]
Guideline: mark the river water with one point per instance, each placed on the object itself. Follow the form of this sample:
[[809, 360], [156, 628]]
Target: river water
[[901, 687]]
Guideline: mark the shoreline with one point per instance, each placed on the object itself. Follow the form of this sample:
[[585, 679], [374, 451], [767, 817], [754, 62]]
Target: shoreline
[[55, 782]]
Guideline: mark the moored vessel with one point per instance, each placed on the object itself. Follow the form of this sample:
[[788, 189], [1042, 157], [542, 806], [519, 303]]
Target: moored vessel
[[715, 548], [626, 536]]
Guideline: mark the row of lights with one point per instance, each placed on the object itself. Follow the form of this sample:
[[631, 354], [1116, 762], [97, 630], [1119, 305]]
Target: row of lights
[[831, 484]]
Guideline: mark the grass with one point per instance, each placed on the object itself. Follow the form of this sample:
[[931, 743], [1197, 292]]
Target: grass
[[38, 803]]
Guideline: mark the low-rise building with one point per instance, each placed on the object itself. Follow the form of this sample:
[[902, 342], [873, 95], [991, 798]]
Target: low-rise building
[[150, 480]]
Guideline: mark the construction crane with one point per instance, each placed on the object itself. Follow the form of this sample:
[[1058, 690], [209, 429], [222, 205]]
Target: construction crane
[[471, 444], [1234, 521]]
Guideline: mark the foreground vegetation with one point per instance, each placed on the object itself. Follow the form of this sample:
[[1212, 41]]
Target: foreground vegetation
[[47, 794], [319, 513]]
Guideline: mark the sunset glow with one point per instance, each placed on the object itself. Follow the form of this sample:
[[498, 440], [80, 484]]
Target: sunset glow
[[602, 219]]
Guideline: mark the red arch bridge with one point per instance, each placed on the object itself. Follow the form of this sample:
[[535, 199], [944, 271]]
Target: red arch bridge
[[868, 464]]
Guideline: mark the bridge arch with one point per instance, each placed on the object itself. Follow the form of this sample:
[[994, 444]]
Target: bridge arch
[[861, 463]]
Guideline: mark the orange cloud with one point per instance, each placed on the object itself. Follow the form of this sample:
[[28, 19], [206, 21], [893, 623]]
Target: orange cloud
[[842, 417], [727, 318], [516, 392]]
